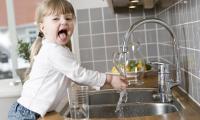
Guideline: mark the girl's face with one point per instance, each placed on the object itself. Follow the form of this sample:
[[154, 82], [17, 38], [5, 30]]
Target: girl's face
[[58, 28]]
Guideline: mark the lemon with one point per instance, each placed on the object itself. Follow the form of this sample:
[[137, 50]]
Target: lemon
[[127, 68], [114, 70], [139, 66]]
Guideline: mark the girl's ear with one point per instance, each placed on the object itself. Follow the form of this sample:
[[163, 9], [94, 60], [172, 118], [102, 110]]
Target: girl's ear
[[42, 27]]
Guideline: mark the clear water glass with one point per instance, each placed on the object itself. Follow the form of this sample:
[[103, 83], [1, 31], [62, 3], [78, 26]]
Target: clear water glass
[[78, 102]]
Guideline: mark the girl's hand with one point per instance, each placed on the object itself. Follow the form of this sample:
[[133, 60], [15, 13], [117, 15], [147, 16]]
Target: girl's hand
[[116, 81]]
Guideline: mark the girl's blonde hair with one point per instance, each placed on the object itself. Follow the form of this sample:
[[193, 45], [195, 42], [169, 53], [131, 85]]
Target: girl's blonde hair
[[45, 8]]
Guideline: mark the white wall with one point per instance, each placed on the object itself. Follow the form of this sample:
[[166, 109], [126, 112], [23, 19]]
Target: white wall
[[82, 4]]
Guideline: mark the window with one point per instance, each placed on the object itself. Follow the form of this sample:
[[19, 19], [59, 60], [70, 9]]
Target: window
[[31, 34], [5, 66], [19, 23]]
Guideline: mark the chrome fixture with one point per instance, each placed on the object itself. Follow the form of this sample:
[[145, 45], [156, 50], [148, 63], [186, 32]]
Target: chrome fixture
[[169, 83], [165, 82]]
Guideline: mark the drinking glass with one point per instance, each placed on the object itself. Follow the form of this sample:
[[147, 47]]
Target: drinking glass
[[78, 102]]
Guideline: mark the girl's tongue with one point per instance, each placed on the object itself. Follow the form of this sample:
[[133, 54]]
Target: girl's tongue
[[62, 34]]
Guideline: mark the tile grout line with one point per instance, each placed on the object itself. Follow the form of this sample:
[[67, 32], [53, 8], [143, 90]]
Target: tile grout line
[[104, 35], [90, 25]]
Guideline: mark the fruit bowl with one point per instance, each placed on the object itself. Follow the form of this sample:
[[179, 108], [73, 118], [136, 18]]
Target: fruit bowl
[[134, 71]]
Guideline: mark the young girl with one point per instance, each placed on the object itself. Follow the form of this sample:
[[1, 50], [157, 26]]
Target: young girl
[[53, 65]]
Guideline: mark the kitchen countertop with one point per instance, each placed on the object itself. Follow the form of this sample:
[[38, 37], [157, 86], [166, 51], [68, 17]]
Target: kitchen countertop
[[191, 110]]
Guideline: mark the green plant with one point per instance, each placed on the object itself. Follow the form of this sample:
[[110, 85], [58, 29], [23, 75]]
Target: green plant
[[24, 49]]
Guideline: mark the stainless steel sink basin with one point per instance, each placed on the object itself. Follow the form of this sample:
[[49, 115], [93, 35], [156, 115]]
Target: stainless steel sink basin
[[112, 96], [140, 103], [131, 110]]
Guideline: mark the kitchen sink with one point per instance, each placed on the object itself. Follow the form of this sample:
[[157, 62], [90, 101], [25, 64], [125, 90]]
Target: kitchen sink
[[112, 96], [102, 104], [131, 110]]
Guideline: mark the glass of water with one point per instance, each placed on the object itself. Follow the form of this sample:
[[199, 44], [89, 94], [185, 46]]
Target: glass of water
[[78, 102]]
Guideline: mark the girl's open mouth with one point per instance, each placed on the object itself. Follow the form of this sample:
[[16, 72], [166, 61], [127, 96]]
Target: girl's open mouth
[[63, 34]]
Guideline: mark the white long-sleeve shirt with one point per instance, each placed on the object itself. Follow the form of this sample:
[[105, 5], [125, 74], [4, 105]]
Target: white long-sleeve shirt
[[53, 69]]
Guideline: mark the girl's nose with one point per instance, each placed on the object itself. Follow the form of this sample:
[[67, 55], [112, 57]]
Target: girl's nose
[[64, 22]]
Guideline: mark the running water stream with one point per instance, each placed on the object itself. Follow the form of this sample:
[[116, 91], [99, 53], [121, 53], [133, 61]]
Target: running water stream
[[122, 99], [121, 59]]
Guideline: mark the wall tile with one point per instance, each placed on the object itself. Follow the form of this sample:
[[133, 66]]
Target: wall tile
[[137, 13], [84, 42], [85, 55], [123, 15], [111, 39], [151, 36], [143, 51], [163, 36], [100, 66], [195, 88], [183, 12], [83, 28], [98, 40], [110, 52], [182, 36], [197, 63], [139, 36], [149, 13], [110, 65], [198, 9], [184, 59], [194, 10], [196, 33], [172, 15], [198, 90], [190, 36], [152, 50], [96, 14], [190, 85], [121, 37], [150, 26], [97, 27], [110, 26], [99, 54], [190, 58], [108, 13], [134, 20], [189, 11], [83, 15], [177, 14], [164, 16], [123, 24]]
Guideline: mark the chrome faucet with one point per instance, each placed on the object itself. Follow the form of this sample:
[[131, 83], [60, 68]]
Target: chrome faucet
[[165, 82], [169, 83]]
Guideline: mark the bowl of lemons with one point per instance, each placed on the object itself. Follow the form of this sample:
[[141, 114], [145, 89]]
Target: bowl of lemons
[[134, 70], [133, 66]]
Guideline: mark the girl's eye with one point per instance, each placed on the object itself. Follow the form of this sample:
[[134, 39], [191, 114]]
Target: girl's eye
[[55, 18], [69, 19]]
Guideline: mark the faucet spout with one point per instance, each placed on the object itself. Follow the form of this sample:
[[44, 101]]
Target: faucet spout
[[167, 27]]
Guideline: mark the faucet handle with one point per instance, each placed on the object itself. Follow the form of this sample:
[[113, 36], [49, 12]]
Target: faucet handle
[[171, 83], [163, 68]]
